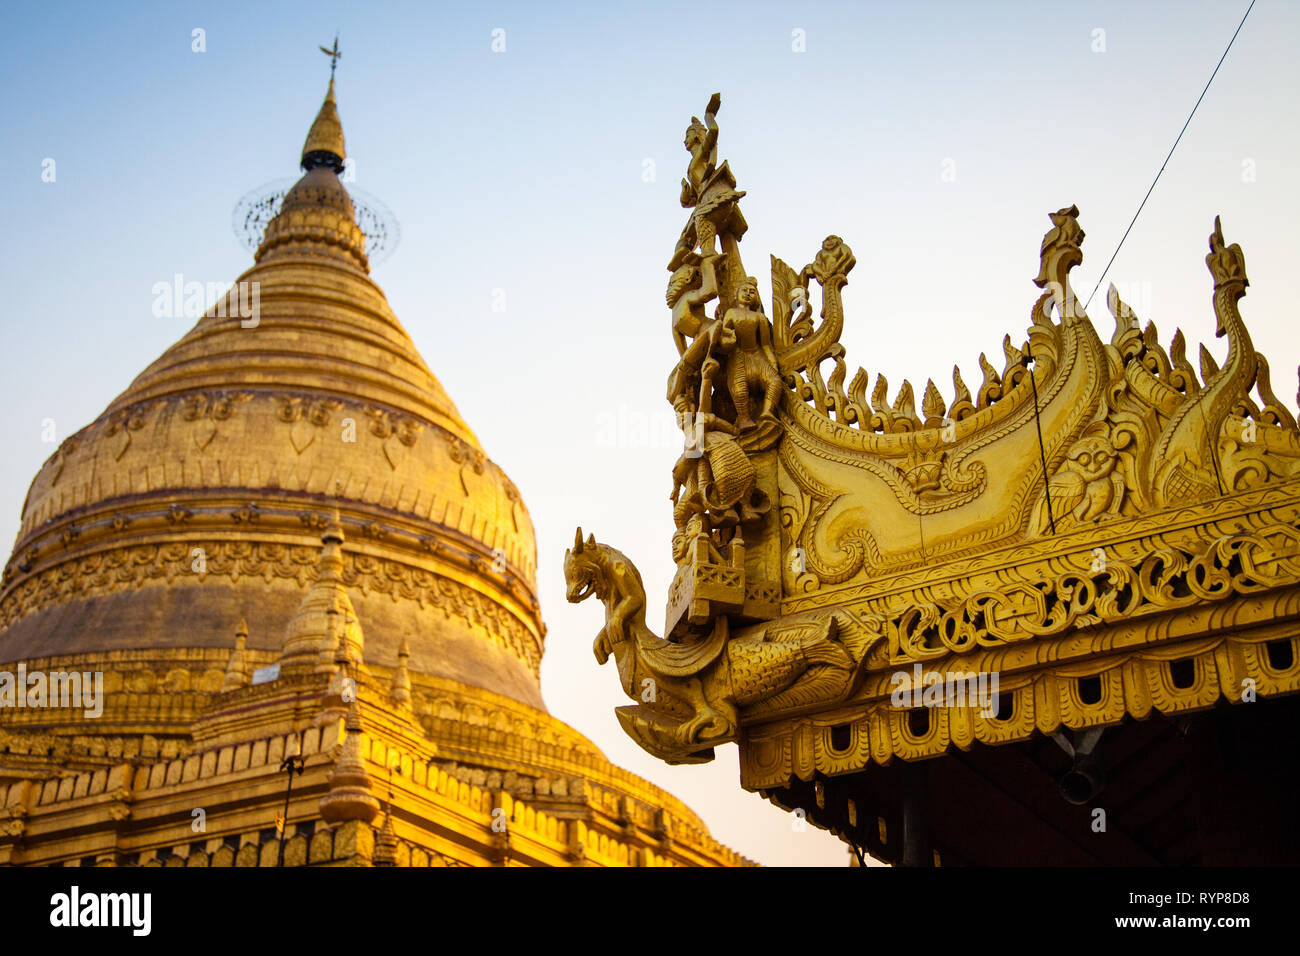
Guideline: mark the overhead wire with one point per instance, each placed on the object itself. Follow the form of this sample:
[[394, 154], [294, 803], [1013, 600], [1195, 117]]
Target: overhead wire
[[1170, 156]]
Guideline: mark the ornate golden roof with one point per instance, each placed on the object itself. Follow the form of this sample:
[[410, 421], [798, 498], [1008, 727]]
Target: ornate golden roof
[[1096, 517], [199, 495]]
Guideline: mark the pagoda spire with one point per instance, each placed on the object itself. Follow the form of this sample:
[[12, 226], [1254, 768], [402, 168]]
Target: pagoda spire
[[324, 145], [317, 217]]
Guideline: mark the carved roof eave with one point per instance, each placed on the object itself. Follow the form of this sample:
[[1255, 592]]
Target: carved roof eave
[[827, 536], [1096, 432], [1235, 590]]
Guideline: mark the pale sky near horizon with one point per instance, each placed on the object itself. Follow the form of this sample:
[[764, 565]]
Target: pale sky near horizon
[[524, 171]]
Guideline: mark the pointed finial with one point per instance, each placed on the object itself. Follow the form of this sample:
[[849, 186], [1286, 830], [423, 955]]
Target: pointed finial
[[1060, 252], [324, 619], [324, 145], [334, 55]]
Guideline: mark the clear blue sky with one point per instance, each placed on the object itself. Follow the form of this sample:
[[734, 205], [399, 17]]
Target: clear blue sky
[[523, 171]]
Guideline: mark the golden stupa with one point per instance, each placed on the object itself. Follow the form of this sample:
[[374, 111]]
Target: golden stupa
[[307, 588]]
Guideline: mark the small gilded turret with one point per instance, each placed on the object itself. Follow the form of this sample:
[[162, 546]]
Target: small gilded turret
[[326, 658], [325, 623], [349, 797], [386, 844], [400, 691], [237, 667]]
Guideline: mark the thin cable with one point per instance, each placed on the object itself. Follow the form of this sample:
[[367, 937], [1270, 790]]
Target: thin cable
[[1167, 158], [1214, 454], [1042, 454]]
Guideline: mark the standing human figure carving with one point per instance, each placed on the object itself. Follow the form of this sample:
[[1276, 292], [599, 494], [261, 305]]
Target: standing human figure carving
[[745, 338]]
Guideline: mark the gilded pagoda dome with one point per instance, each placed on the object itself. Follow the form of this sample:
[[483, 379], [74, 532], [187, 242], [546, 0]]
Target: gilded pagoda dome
[[200, 495]]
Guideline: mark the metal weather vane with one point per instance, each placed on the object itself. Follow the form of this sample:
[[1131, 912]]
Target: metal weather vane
[[333, 54]]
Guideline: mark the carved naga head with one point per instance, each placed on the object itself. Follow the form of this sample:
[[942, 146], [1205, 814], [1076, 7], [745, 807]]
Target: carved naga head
[[1227, 265], [1061, 250]]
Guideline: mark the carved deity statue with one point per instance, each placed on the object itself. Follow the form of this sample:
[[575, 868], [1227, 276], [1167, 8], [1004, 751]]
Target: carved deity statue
[[708, 189], [713, 479], [745, 338], [702, 143]]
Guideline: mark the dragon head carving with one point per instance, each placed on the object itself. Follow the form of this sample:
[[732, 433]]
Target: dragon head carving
[[582, 570], [1062, 248]]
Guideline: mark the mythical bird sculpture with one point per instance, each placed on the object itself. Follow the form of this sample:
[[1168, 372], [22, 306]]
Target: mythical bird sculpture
[[691, 692], [1088, 487]]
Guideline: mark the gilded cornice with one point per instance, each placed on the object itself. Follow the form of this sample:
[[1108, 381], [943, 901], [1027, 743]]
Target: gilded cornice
[[320, 445], [128, 568], [1132, 682], [1071, 550], [1221, 603]]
